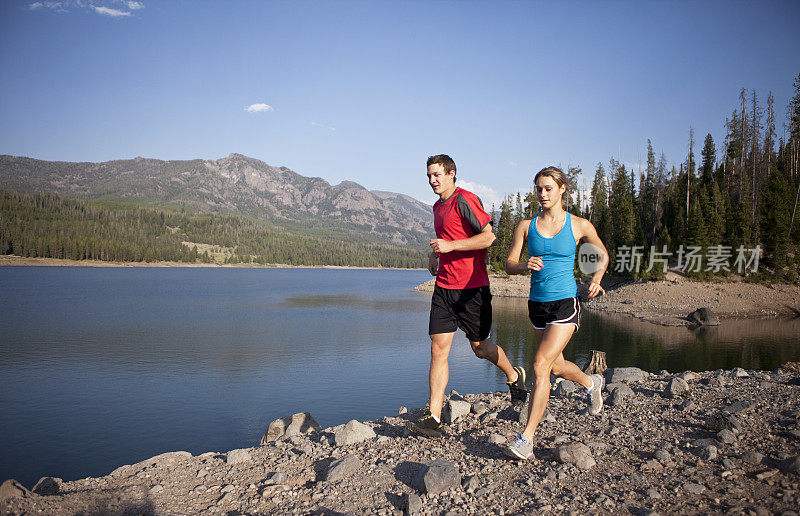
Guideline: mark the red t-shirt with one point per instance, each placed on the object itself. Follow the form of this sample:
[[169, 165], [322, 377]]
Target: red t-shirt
[[461, 216]]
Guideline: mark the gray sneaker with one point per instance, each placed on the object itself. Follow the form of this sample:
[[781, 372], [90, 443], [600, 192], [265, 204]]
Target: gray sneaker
[[521, 448], [595, 394]]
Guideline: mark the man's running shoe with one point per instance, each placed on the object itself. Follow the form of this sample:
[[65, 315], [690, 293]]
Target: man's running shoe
[[521, 448], [426, 425], [517, 387], [595, 394]]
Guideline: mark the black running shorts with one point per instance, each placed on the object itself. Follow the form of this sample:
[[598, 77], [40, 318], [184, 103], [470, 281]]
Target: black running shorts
[[563, 311], [469, 309]]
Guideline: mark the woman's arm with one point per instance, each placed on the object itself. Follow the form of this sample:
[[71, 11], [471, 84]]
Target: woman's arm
[[588, 234], [512, 262]]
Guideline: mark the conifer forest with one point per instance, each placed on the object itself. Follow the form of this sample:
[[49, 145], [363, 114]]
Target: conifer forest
[[741, 193]]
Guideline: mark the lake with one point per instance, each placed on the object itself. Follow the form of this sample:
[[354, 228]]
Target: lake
[[101, 367]]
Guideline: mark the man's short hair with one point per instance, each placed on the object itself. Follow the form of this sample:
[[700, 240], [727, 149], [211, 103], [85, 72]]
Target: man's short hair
[[444, 160]]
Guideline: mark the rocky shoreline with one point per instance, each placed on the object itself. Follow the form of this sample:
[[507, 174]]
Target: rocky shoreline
[[669, 302], [721, 442]]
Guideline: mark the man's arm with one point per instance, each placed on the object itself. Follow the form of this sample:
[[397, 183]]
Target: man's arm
[[482, 240]]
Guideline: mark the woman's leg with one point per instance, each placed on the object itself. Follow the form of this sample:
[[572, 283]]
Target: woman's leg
[[552, 341]]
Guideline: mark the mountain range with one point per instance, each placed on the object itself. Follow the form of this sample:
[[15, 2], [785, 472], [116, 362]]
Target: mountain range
[[235, 184]]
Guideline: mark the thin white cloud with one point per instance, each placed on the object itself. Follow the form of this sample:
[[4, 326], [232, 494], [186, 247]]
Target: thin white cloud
[[324, 126], [258, 108], [107, 11], [487, 194], [98, 6], [55, 6]]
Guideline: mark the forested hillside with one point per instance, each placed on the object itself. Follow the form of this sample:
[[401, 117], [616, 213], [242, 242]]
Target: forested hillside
[[46, 225], [739, 195]]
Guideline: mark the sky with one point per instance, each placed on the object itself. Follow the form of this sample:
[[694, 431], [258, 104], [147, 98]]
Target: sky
[[365, 91]]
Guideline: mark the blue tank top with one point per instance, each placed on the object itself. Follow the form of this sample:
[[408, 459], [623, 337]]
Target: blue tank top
[[556, 280]]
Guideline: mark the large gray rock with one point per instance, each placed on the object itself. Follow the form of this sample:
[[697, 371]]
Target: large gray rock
[[455, 410], [575, 453], [413, 504], [624, 374], [479, 408], [676, 387], [752, 457], [791, 465], [719, 421], [13, 489], [565, 388], [704, 317], [353, 432], [238, 457], [738, 372], [619, 393], [739, 406], [296, 424], [437, 476], [725, 436], [689, 376], [343, 468], [707, 452], [47, 486]]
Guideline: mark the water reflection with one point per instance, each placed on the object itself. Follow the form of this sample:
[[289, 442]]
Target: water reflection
[[627, 341]]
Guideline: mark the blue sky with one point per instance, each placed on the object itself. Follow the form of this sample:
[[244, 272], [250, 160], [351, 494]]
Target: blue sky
[[365, 91]]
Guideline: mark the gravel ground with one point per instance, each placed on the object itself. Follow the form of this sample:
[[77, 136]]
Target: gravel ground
[[721, 442]]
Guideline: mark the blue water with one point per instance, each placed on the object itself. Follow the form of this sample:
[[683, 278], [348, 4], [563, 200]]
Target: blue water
[[101, 367]]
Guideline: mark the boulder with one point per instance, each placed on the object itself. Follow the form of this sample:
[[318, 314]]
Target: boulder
[[455, 410], [791, 465], [739, 406], [565, 388], [437, 476], [752, 457], [296, 424], [704, 317], [479, 408], [238, 457], [663, 456], [676, 387], [13, 489], [738, 372], [707, 452], [619, 393], [47, 486], [413, 504], [625, 374], [353, 432], [725, 436], [719, 421], [343, 468], [575, 453], [688, 376]]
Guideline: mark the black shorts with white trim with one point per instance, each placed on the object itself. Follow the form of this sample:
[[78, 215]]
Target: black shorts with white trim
[[563, 311]]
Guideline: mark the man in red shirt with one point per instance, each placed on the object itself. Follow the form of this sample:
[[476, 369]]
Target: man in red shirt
[[461, 297]]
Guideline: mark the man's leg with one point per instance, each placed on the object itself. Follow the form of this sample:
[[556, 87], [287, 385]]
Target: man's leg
[[439, 372], [490, 351]]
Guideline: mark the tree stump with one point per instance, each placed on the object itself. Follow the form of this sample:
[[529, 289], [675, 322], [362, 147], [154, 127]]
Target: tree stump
[[597, 364]]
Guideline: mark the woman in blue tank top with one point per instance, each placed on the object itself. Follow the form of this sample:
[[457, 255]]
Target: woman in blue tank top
[[552, 236]]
